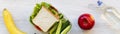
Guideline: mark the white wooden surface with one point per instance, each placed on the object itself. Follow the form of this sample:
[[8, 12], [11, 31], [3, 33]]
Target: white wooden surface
[[72, 9]]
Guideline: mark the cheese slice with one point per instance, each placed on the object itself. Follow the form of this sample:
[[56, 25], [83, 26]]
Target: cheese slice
[[44, 19]]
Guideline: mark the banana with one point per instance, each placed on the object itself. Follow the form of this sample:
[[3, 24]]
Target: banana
[[11, 27]]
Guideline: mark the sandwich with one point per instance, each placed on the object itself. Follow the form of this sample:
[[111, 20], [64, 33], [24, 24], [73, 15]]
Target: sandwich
[[48, 19]]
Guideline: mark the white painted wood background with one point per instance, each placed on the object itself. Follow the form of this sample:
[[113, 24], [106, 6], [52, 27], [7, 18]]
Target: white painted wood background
[[72, 9]]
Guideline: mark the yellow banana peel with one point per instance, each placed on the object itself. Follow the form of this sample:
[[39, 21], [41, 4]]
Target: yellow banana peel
[[11, 27]]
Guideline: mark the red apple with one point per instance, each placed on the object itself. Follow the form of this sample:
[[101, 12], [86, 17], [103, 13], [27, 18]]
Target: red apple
[[86, 21]]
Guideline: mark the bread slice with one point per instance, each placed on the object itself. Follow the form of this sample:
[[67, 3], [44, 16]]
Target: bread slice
[[45, 19]]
